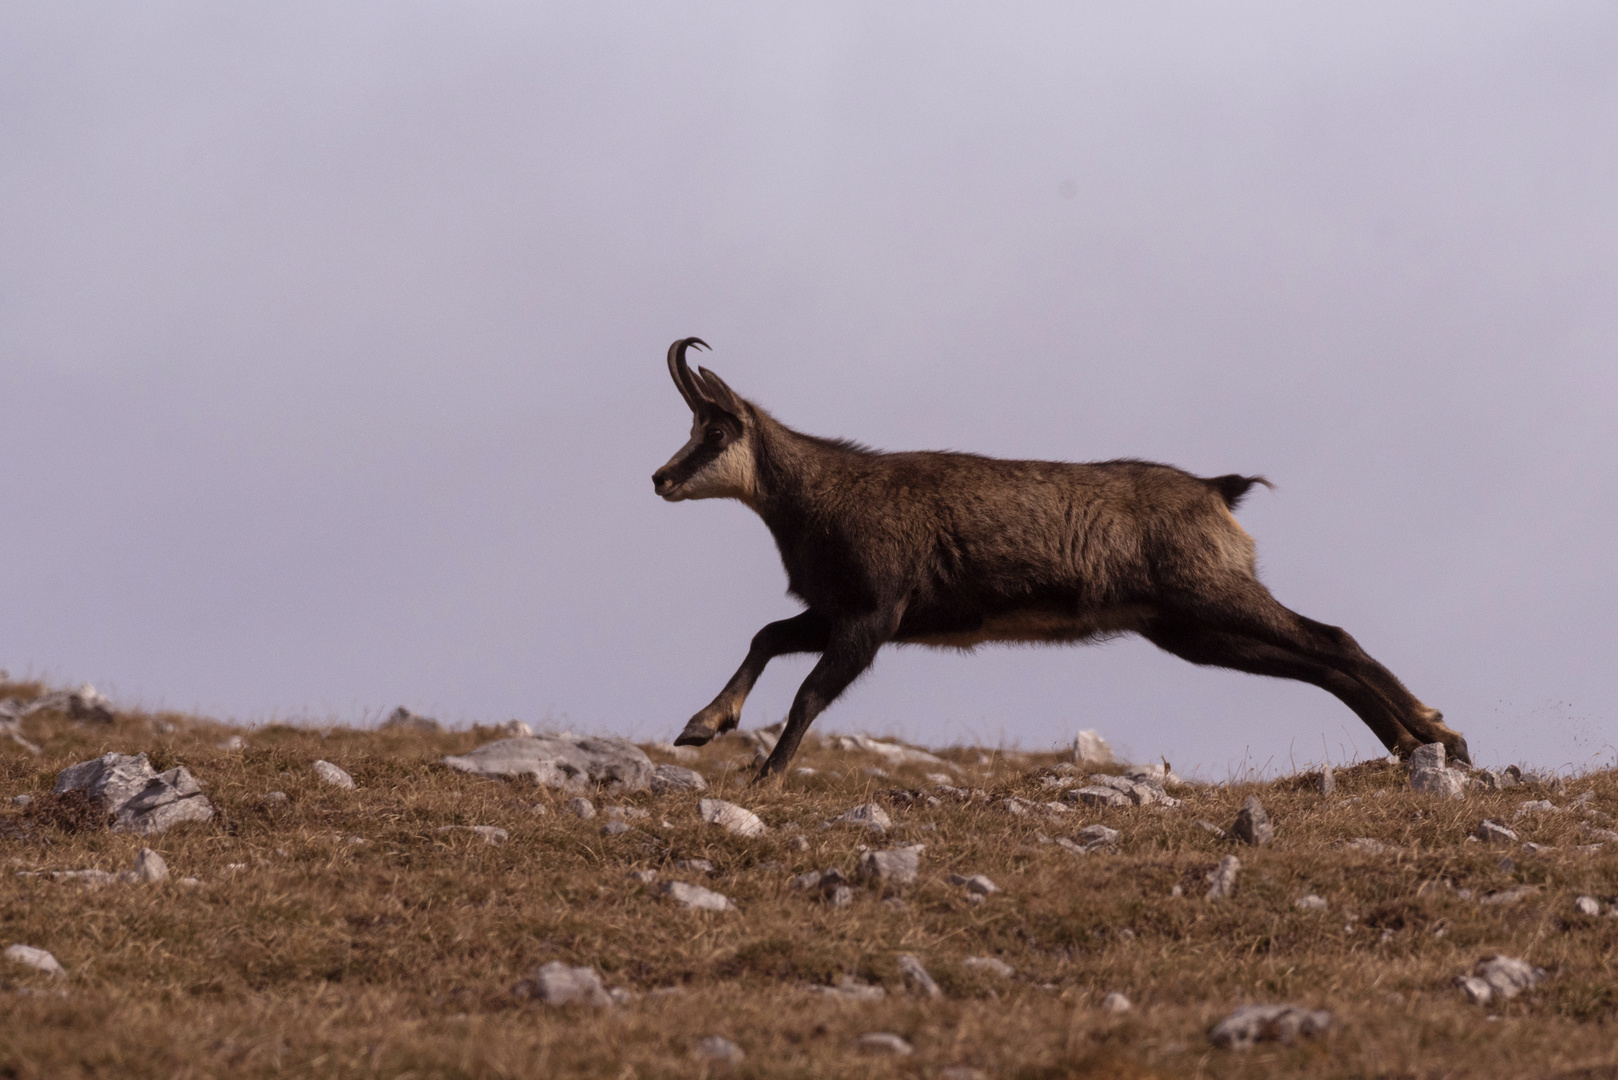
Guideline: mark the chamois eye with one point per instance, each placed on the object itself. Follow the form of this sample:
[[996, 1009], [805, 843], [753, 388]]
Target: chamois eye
[[715, 436]]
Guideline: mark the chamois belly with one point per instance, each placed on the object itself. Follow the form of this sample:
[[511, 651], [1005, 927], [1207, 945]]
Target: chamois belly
[[1034, 627]]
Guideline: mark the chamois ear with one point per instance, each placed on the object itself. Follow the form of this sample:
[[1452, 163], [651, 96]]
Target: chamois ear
[[680, 372], [717, 393]]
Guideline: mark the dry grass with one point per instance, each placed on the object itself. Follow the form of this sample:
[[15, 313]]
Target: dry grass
[[304, 953]]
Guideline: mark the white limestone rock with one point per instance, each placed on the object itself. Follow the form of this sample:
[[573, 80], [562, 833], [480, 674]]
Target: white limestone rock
[[334, 775], [568, 762], [916, 976], [1090, 748], [140, 799], [557, 983], [992, 964], [1268, 1023], [667, 778], [718, 1048], [885, 1042], [38, 959], [1222, 879], [865, 816], [736, 820], [895, 866], [695, 896], [1499, 978]]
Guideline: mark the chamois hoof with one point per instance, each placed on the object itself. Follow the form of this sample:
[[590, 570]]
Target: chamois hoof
[[695, 734]]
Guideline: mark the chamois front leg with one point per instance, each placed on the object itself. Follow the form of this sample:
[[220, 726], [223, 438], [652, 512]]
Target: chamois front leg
[[805, 632], [851, 647]]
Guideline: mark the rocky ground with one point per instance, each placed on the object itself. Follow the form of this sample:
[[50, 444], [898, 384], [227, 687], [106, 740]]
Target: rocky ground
[[414, 902]]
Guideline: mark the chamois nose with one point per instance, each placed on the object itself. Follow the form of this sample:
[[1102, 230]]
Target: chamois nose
[[659, 478]]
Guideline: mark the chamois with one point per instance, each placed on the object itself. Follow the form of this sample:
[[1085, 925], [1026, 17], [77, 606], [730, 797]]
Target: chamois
[[952, 549]]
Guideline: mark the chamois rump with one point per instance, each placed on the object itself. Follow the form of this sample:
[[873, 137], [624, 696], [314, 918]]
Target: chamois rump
[[957, 550]]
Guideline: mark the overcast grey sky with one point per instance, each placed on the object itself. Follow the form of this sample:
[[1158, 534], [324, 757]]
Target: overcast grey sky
[[331, 343]]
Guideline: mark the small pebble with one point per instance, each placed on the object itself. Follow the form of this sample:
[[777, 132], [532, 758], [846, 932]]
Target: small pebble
[[581, 808], [884, 1042], [1587, 905]]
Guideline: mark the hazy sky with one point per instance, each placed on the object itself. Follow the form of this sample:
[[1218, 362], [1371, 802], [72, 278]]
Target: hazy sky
[[331, 344]]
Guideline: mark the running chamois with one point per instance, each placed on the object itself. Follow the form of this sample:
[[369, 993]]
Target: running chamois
[[957, 550]]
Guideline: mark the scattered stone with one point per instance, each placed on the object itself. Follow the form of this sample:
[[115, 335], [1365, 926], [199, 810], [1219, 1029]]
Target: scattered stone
[[1016, 806], [1429, 774], [734, 819], [140, 799], [1212, 830], [895, 866], [85, 703], [558, 984], [150, 867], [977, 883], [916, 977], [1492, 832], [1326, 782], [625, 812], [1604, 835], [667, 778], [615, 828], [1499, 978], [693, 866], [333, 775], [645, 877], [962, 1072], [1534, 806], [38, 959], [805, 881], [838, 895], [851, 988], [1499, 779], [515, 729], [884, 1042], [865, 816], [1268, 1023], [273, 798], [1508, 896], [570, 762], [1587, 905], [992, 964], [799, 843], [92, 879], [1311, 903], [1222, 879], [1139, 788], [232, 744], [402, 719], [1116, 1003], [1252, 825], [695, 896], [489, 834], [719, 1048], [581, 808], [1537, 849], [975, 899], [1365, 844], [1098, 795], [22, 801], [893, 752], [1089, 747]]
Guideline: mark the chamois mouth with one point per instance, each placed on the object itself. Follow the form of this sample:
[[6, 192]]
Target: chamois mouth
[[665, 488]]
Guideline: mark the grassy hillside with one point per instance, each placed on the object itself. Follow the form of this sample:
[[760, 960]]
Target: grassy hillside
[[339, 933]]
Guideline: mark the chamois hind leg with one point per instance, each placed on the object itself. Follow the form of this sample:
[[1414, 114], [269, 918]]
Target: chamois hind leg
[[1202, 645], [1247, 609], [804, 632], [851, 647]]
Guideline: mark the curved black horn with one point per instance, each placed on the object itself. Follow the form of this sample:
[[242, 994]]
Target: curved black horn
[[681, 372]]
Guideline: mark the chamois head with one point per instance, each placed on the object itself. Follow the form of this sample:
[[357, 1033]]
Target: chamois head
[[717, 461]]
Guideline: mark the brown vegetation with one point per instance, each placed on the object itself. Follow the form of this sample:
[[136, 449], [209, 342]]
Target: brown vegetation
[[340, 934]]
